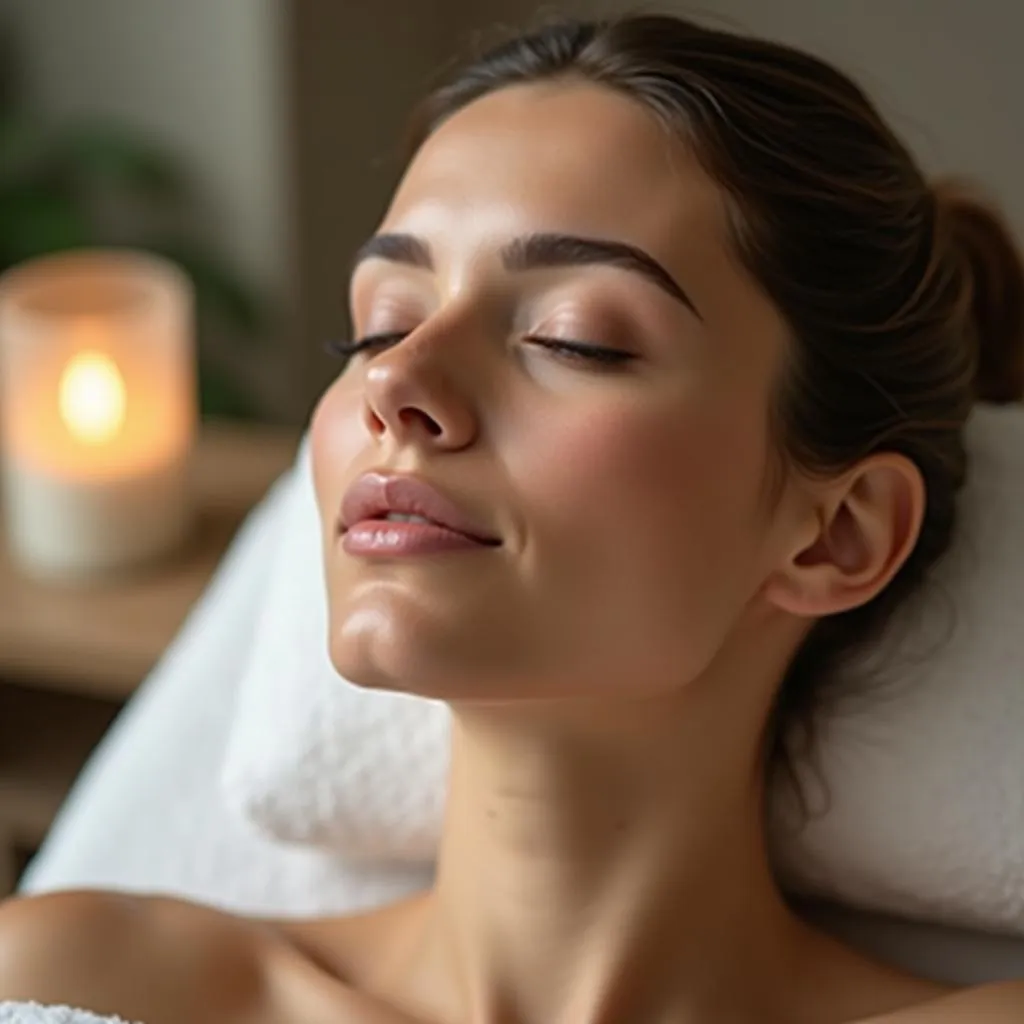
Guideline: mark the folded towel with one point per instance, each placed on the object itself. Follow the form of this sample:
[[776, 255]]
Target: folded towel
[[923, 768], [310, 759], [143, 817], [34, 1013]]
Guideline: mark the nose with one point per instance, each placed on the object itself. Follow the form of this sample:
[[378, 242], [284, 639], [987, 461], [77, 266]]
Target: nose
[[411, 395]]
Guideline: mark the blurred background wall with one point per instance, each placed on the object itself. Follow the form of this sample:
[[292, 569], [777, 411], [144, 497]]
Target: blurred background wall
[[288, 116], [206, 81]]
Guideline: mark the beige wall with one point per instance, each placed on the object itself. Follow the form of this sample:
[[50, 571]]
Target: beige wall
[[203, 78], [949, 73]]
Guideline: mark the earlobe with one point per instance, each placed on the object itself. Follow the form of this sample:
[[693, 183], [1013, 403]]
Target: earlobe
[[868, 521]]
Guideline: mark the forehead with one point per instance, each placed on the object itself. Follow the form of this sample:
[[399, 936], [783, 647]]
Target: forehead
[[560, 156]]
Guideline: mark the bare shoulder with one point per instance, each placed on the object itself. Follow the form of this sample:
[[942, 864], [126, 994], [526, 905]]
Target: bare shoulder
[[351, 948], [143, 958], [1001, 1003]]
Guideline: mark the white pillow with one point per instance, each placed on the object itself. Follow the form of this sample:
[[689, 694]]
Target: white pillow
[[925, 771]]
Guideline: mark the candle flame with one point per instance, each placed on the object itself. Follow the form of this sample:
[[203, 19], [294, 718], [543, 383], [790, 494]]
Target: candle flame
[[92, 398]]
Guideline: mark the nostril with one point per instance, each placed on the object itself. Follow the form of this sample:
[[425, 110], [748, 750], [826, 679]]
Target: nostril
[[412, 417], [374, 422]]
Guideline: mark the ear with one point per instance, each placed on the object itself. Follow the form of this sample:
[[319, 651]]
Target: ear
[[860, 529]]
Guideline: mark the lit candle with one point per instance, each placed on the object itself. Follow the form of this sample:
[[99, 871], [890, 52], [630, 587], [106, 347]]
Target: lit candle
[[97, 410]]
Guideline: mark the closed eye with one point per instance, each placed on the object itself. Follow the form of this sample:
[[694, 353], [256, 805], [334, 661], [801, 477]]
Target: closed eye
[[578, 351], [347, 348], [598, 356]]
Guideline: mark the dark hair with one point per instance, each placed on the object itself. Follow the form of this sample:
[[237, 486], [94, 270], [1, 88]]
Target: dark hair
[[905, 300]]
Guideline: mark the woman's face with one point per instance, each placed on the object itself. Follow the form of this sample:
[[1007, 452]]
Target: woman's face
[[625, 487]]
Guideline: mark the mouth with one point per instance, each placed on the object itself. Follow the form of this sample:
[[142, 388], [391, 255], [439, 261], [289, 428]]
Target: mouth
[[412, 517], [387, 514]]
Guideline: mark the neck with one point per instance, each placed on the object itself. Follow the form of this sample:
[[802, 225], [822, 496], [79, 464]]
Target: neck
[[604, 867]]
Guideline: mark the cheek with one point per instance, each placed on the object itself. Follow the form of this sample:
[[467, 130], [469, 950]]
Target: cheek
[[673, 476], [337, 438], [648, 525]]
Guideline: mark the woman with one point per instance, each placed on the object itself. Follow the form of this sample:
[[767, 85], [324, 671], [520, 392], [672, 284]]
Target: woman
[[664, 351]]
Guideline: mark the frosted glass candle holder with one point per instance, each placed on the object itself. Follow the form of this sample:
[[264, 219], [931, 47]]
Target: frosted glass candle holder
[[97, 411]]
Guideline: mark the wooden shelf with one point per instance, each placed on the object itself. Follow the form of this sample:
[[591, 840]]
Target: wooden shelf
[[71, 654], [102, 638]]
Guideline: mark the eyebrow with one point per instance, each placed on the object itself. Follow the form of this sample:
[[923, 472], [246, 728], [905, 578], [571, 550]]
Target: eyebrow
[[406, 249], [536, 251]]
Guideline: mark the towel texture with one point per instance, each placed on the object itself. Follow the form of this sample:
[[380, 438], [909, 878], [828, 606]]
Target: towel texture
[[34, 1013], [144, 815], [312, 759], [921, 757]]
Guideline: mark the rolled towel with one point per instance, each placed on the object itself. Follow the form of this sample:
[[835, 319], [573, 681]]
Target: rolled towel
[[35, 1013], [143, 817], [923, 760]]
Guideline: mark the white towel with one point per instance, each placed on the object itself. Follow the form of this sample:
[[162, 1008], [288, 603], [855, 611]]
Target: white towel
[[925, 772], [144, 817], [310, 758], [34, 1013]]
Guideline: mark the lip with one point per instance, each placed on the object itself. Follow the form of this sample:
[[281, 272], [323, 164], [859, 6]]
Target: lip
[[375, 494]]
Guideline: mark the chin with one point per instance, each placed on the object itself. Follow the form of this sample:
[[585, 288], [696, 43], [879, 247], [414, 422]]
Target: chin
[[381, 648], [421, 652]]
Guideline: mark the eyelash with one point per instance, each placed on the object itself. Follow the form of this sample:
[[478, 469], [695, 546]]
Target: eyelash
[[573, 351]]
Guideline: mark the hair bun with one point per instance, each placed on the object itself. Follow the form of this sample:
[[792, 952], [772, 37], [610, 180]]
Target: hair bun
[[996, 274]]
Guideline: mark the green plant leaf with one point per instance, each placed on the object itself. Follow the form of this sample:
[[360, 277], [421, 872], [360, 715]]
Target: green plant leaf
[[10, 66], [220, 396], [103, 155], [33, 223], [23, 143], [220, 294]]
